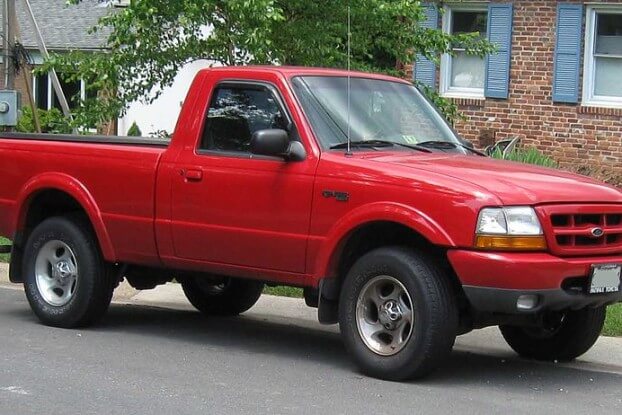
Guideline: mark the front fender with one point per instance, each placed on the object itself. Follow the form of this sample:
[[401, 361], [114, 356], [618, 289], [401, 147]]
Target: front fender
[[70, 185], [402, 214]]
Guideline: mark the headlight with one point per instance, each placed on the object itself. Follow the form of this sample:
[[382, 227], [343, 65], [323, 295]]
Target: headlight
[[510, 228]]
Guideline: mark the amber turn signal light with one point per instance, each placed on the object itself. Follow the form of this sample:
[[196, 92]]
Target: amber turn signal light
[[511, 243]]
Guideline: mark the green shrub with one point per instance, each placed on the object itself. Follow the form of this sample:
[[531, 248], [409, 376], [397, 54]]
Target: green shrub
[[134, 131], [52, 121], [529, 155]]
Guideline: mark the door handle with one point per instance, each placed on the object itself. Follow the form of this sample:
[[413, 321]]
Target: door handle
[[192, 175]]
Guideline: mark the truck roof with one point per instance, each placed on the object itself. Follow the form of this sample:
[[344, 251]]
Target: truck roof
[[291, 71]]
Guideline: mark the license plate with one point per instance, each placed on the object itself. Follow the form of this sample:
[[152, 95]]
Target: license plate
[[605, 279]]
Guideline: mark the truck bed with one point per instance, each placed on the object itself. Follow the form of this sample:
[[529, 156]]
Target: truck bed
[[118, 174]]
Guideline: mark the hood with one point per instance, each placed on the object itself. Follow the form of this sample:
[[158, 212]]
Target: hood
[[513, 183]]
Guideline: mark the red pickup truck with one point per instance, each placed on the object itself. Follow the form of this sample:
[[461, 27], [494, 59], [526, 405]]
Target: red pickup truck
[[349, 185]]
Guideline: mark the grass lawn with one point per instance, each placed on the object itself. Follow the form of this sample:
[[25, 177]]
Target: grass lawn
[[4, 257], [613, 324], [282, 291]]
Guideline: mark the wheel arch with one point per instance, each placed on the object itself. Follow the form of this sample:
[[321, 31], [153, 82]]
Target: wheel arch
[[367, 217], [53, 194], [378, 226]]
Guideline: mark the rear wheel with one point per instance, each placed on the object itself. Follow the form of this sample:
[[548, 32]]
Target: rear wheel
[[397, 314], [563, 336], [221, 296], [66, 280]]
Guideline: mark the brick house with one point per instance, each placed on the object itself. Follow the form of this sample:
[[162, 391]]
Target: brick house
[[556, 81]]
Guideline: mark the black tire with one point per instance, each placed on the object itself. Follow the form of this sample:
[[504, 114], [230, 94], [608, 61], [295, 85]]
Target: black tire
[[433, 306], [226, 297], [568, 335], [94, 283]]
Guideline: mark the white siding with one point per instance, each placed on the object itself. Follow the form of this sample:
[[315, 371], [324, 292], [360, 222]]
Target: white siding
[[163, 113]]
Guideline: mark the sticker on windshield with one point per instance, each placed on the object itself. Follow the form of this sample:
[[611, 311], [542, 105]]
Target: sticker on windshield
[[410, 139]]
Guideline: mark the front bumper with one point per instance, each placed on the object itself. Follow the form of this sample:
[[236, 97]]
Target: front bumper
[[496, 300], [494, 281]]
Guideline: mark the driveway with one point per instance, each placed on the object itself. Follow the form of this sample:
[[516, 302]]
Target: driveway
[[170, 360]]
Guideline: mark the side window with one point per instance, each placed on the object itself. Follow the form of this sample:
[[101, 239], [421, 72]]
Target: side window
[[603, 58], [236, 113]]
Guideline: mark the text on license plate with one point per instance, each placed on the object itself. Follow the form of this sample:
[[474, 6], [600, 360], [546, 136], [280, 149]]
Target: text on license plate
[[605, 278]]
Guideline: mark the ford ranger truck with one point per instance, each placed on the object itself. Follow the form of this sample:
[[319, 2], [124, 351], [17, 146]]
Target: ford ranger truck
[[349, 185]]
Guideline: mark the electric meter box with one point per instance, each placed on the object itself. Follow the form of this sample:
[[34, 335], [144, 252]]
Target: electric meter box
[[9, 108]]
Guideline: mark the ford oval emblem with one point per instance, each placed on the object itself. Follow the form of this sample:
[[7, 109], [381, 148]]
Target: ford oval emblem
[[597, 232]]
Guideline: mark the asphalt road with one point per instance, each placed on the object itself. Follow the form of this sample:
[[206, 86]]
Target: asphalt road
[[146, 360]]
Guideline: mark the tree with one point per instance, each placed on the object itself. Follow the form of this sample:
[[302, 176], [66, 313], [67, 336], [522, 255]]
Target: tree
[[134, 130], [151, 40]]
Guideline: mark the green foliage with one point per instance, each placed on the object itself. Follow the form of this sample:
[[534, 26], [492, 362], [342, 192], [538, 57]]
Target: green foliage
[[448, 108], [163, 134], [51, 121], [529, 155], [151, 40], [613, 323], [134, 130]]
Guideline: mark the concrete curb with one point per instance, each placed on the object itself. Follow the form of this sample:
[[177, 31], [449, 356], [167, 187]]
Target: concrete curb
[[605, 356]]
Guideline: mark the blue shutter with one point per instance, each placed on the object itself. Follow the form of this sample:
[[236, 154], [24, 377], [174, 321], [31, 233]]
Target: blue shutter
[[425, 69], [500, 17], [568, 53]]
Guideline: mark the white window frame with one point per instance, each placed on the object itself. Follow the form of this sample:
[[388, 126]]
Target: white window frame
[[589, 64], [50, 104], [446, 89]]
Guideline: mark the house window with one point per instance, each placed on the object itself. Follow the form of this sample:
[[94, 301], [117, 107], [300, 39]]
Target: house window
[[463, 75], [603, 57], [45, 96]]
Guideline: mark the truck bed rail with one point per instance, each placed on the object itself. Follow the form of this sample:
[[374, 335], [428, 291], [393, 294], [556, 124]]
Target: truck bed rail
[[94, 139]]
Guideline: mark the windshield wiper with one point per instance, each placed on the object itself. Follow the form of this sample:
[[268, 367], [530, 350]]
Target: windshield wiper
[[442, 145], [378, 143]]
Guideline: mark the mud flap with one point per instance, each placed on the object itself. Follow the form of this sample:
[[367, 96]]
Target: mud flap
[[328, 307]]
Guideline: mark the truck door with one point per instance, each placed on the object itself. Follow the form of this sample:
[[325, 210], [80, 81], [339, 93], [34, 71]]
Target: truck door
[[232, 207]]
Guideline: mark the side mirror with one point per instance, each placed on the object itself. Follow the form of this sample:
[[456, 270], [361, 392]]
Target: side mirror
[[276, 142], [273, 142]]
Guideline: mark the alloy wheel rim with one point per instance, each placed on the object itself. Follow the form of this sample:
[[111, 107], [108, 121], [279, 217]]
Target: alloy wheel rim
[[384, 315], [212, 288], [552, 324], [56, 273]]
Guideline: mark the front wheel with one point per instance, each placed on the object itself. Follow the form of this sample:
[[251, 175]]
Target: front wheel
[[221, 296], [66, 280], [397, 314], [563, 336]]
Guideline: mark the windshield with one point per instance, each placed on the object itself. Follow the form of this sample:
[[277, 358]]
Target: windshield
[[379, 110]]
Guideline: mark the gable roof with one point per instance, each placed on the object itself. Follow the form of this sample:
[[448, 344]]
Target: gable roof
[[63, 26]]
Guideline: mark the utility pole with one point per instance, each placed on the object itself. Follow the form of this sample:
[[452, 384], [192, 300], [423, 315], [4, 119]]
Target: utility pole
[[10, 20], [8, 97]]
